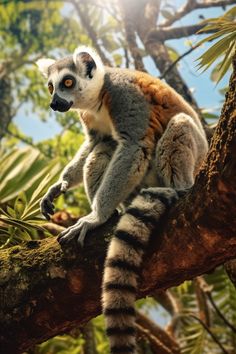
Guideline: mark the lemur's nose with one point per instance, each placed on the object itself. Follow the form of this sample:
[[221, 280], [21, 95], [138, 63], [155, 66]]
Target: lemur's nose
[[60, 104], [53, 105]]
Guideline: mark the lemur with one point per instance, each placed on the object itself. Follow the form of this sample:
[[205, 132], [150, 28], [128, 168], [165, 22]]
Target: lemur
[[144, 144]]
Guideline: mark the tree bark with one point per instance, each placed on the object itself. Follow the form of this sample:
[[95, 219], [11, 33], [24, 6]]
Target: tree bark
[[5, 102], [46, 290]]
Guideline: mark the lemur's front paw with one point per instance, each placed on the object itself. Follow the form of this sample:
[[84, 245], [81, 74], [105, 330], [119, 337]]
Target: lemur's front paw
[[46, 205], [80, 229]]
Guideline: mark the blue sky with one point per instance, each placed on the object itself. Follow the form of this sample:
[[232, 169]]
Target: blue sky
[[205, 91]]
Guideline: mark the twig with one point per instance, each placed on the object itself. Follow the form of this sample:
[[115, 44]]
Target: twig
[[126, 58], [88, 334], [204, 313], [207, 290], [163, 337], [168, 301], [216, 340], [130, 35], [92, 34], [156, 344], [219, 313], [24, 140], [177, 60]]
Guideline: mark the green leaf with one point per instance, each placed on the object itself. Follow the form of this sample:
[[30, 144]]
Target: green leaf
[[225, 27]]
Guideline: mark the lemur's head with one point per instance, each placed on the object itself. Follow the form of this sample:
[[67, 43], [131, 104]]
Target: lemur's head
[[74, 81]]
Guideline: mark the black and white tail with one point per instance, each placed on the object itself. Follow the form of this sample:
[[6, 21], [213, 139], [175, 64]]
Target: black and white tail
[[123, 265]]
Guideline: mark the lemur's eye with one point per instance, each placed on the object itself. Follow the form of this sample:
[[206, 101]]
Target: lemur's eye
[[50, 88], [68, 83]]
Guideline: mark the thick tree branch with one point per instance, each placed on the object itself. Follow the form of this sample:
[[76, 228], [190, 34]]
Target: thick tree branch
[[46, 290]]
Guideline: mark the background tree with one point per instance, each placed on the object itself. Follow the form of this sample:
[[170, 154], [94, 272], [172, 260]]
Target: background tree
[[200, 314]]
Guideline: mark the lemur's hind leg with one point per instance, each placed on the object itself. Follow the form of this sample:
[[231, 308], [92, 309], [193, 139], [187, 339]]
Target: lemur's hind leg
[[96, 165], [180, 152]]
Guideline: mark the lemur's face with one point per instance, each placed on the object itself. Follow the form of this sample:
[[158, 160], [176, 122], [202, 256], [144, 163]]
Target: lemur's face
[[74, 81]]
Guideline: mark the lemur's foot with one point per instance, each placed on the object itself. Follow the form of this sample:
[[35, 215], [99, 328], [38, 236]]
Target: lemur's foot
[[79, 230], [46, 205]]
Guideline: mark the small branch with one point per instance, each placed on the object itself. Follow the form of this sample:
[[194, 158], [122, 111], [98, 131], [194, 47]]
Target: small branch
[[88, 334], [24, 140], [192, 5], [219, 313], [127, 62], [166, 340], [204, 313], [19, 137], [215, 339], [177, 60], [167, 300], [90, 30], [185, 9], [207, 289], [230, 268], [157, 346], [172, 305], [54, 229], [131, 35]]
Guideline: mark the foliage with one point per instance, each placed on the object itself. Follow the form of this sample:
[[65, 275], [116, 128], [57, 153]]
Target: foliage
[[25, 177], [64, 344], [225, 31], [193, 331], [32, 29]]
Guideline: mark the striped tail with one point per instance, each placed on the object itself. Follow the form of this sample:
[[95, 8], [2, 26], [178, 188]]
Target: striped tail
[[123, 265]]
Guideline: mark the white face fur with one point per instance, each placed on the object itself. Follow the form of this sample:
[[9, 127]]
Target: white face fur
[[75, 81]]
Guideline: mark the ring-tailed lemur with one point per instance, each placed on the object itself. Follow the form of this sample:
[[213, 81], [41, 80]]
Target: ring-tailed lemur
[[143, 143]]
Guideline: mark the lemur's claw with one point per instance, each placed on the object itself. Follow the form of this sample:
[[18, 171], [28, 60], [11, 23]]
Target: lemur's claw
[[46, 205], [81, 238], [79, 230], [67, 235], [47, 208]]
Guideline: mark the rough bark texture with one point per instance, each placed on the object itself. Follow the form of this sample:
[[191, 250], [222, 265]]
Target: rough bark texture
[[46, 290], [5, 103]]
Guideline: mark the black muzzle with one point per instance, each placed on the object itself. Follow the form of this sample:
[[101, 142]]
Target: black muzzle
[[59, 104]]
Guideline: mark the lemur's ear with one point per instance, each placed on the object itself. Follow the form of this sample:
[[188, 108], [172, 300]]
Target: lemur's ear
[[43, 65], [87, 61]]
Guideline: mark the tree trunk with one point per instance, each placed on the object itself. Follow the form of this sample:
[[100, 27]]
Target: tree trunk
[[5, 104], [46, 289]]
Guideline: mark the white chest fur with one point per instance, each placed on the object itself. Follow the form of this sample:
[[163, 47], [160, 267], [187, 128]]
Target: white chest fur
[[100, 122]]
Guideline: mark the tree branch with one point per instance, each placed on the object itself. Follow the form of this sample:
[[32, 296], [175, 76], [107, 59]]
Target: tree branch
[[207, 289], [164, 34], [211, 334], [131, 36], [174, 63], [90, 30], [166, 342], [145, 16], [192, 5], [46, 289]]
